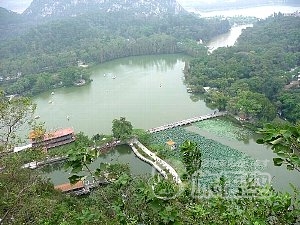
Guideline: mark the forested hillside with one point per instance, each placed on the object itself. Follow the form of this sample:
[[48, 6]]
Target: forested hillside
[[250, 78], [38, 54]]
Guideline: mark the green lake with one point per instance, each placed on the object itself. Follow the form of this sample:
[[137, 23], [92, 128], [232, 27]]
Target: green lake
[[149, 91]]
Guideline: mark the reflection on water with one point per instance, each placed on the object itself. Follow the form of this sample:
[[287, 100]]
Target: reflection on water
[[148, 90], [161, 63], [121, 154]]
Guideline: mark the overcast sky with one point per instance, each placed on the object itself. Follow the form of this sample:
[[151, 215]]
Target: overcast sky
[[15, 5], [20, 5]]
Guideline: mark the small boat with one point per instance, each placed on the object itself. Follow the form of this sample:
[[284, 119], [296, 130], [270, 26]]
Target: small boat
[[104, 75], [52, 93], [37, 117], [50, 102], [114, 77]]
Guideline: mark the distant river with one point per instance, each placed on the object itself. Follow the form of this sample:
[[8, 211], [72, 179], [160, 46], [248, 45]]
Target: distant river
[[261, 12], [227, 39]]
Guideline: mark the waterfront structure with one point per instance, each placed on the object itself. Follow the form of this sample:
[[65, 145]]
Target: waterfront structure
[[68, 187], [52, 139], [171, 144]]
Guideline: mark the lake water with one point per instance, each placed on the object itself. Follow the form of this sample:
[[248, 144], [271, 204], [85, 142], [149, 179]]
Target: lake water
[[149, 91], [121, 154]]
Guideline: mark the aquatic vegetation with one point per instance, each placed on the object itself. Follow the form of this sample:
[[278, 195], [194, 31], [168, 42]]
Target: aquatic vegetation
[[224, 128], [217, 159]]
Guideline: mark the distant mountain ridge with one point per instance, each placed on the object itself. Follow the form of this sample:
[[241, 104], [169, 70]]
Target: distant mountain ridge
[[73, 8], [7, 16]]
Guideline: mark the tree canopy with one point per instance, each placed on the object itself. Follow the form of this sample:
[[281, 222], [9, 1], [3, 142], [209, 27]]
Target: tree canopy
[[251, 77], [37, 58], [14, 113], [121, 128]]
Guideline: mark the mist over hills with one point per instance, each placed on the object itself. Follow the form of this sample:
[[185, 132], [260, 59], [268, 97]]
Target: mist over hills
[[229, 4], [41, 11], [72, 8]]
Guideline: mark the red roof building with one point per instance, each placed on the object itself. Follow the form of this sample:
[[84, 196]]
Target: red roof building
[[52, 139]]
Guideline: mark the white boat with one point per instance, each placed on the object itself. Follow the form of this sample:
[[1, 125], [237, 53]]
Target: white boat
[[114, 77], [50, 101], [37, 117], [52, 93]]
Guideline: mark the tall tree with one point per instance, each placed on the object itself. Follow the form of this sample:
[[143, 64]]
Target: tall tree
[[191, 156], [122, 129], [14, 113]]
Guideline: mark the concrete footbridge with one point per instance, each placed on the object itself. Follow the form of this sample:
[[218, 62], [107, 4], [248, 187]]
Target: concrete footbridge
[[160, 165], [186, 122]]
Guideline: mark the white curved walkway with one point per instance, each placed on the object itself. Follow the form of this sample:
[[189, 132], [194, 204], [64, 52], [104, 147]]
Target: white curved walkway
[[156, 161]]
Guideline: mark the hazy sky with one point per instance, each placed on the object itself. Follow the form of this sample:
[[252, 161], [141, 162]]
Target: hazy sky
[[15, 5], [21, 5]]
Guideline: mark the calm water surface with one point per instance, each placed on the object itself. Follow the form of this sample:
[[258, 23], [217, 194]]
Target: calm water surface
[[149, 91], [121, 154]]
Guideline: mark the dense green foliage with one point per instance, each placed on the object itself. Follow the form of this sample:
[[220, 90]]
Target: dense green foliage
[[121, 129], [191, 157], [27, 198], [36, 83], [44, 49], [285, 142], [248, 79], [14, 113]]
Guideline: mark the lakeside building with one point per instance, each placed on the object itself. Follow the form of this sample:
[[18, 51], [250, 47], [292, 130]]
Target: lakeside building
[[52, 139], [171, 144]]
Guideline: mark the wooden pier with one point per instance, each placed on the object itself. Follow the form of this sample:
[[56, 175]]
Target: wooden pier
[[80, 187]]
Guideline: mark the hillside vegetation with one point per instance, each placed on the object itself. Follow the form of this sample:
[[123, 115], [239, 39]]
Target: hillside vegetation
[[37, 54], [250, 78]]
